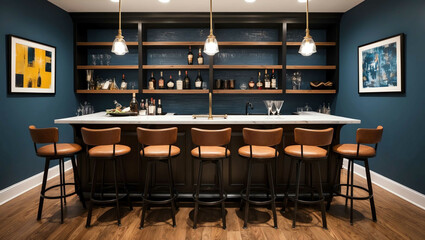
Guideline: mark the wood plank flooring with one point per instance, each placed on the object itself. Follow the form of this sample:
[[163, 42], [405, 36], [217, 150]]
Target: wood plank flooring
[[397, 219]]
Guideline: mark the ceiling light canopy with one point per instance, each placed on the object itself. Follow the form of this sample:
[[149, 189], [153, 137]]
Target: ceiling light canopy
[[115, 1], [308, 47], [118, 46], [164, 1], [211, 45], [250, 1]]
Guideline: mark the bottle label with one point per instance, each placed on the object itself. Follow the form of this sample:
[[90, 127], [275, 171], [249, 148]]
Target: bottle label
[[159, 111], [274, 83], [161, 83], [123, 85], [151, 85], [200, 61], [198, 84], [259, 84], [190, 59], [170, 84], [180, 85], [267, 84]]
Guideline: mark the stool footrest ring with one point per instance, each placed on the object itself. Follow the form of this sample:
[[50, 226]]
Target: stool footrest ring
[[352, 197], [159, 201], [265, 202], [209, 203], [57, 197]]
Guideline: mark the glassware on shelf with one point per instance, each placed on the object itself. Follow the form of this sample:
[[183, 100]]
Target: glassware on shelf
[[243, 86], [296, 80], [300, 109], [307, 108], [107, 58], [89, 77], [132, 85], [273, 110], [94, 59], [278, 104], [269, 105], [100, 56], [204, 85]]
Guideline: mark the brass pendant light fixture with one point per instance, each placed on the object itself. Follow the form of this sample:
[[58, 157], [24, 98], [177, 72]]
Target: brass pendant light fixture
[[211, 45], [308, 47], [118, 46]]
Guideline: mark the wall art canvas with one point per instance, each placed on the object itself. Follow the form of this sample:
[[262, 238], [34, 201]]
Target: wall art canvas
[[32, 66], [381, 66]]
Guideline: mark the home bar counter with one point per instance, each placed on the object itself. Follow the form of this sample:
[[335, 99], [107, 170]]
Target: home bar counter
[[185, 168]]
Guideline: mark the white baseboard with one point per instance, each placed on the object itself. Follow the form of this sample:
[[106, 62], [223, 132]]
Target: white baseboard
[[23, 186], [408, 194]]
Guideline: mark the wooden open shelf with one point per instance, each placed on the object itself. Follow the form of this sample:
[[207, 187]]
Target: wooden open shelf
[[247, 91], [108, 91], [102, 44], [318, 91], [311, 67], [219, 43], [247, 66], [324, 44], [96, 67], [176, 66], [175, 91]]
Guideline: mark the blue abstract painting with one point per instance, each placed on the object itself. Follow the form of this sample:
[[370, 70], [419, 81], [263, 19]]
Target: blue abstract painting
[[380, 66]]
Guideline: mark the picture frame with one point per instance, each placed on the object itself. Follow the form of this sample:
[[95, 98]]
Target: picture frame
[[32, 66], [381, 66]]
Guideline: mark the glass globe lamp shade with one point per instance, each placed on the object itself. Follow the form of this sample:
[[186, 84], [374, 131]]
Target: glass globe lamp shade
[[211, 46], [118, 46], [308, 47]]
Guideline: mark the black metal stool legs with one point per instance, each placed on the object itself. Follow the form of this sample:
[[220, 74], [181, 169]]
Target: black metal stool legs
[[297, 190], [220, 183], [93, 183], [322, 199], [285, 201], [248, 188], [369, 185], [145, 192], [124, 179], [43, 188], [198, 186], [171, 189], [77, 181], [61, 186], [271, 184], [116, 193]]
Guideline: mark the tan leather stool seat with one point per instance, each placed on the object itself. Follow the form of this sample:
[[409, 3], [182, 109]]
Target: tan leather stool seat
[[62, 149], [308, 151], [211, 152], [107, 150], [160, 151], [351, 150], [258, 152]]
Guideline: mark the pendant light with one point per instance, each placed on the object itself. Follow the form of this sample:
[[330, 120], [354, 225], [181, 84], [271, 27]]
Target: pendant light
[[308, 47], [119, 47], [211, 45]]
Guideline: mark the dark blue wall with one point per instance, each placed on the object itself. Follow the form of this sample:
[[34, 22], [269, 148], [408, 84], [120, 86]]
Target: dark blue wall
[[400, 155], [40, 21]]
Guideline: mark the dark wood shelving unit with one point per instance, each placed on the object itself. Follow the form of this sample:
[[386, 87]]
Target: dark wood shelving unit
[[247, 91], [103, 44], [107, 91], [311, 67], [112, 67], [225, 43], [310, 91], [182, 67], [175, 91], [319, 44], [247, 66]]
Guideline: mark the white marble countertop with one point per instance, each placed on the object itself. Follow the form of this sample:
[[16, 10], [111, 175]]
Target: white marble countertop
[[102, 118]]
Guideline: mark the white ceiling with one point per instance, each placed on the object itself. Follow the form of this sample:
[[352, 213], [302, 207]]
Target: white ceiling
[[203, 5]]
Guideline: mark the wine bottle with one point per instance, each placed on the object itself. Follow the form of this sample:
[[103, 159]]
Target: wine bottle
[[170, 83], [186, 82], [123, 83], [147, 106], [134, 105], [142, 107], [159, 108], [39, 79], [259, 82], [161, 82], [153, 107], [266, 80], [198, 81], [200, 58], [179, 82], [190, 56], [152, 82], [251, 83], [273, 80]]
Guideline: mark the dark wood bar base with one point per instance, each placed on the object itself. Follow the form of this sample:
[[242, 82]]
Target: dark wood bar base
[[235, 169]]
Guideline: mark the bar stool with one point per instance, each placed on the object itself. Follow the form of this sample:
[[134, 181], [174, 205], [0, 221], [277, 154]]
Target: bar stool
[[308, 151], [359, 152], [157, 146], [102, 146], [261, 148], [212, 146], [56, 151]]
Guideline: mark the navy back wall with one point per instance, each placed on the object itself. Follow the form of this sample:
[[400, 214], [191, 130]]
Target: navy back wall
[[40, 21], [400, 155]]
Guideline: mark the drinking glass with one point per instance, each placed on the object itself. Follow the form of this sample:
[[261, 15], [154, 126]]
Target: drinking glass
[[273, 110], [300, 109], [132, 85], [93, 59], [278, 105], [108, 59], [269, 105], [100, 56], [204, 85]]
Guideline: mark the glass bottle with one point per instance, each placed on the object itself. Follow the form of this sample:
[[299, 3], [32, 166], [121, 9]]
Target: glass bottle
[[267, 83], [259, 82], [186, 82], [179, 82], [273, 80], [161, 81], [123, 83], [170, 83], [152, 82], [198, 81], [200, 57], [134, 105], [190, 56]]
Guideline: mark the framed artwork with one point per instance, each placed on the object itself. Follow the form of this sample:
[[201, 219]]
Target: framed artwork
[[381, 66], [32, 66]]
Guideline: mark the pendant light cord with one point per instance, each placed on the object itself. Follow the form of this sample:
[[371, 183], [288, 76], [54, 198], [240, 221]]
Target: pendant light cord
[[307, 31], [211, 28], [119, 29]]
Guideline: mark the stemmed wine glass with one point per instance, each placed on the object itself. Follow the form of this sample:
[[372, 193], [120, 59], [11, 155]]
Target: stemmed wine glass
[[278, 105], [269, 105], [93, 59]]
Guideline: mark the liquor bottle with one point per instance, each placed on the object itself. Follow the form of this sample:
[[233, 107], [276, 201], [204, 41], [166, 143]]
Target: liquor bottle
[[114, 85], [198, 81], [134, 105], [161, 82], [251, 84], [147, 106], [39, 79], [151, 107], [152, 82], [179, 82], [170, 83], [159, 108], [259, 82], [123, 83], [267, 82], [186, 82], [273, 80], [200, 58], [142, 108], [190, 56]]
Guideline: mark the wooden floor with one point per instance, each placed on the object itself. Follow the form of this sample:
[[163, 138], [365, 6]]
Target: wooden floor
[[397, 219]]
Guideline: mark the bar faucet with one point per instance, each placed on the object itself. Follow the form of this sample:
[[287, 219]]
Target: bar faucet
[[248, 104], [210, 116]]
